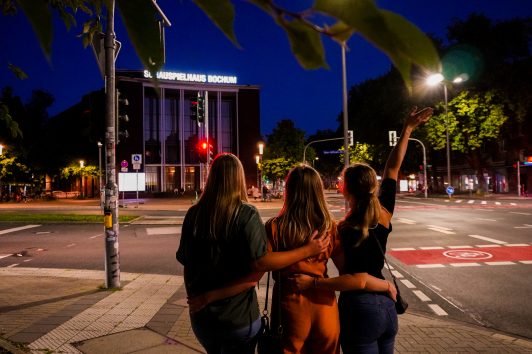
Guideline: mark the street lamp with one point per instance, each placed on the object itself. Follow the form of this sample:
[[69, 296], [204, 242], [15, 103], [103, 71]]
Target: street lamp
[[100, 164], [258, 158], [1, 149], [433, 80], [81, 165]]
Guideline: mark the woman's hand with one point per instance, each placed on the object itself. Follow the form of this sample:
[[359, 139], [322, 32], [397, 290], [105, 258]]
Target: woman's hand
[[300, 282], [418, 117], [392, 291], [317, 244]]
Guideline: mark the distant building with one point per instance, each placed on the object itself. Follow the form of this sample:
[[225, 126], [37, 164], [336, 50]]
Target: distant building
[[164, 129]]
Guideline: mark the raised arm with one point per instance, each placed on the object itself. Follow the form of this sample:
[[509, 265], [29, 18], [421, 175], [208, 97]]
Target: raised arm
[[395, 159]]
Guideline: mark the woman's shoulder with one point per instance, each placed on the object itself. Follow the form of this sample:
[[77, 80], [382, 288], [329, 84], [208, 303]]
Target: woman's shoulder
[[248, 208]]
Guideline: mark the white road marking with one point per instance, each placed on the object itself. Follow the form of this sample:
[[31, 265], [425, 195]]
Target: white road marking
[[526, 262], [459, 201], [465, 264], [470, 201], [163, 230], [516, 244], [13, 265], [430, 266], [526, 226], [4, 255], [432, 248], [443, 230], [406, 221], [404, 249], [485, 219], [72, 244], [499, 263], [459, 247], [488, 210], [42, 232], [397, 274], [483, 202], [481, 246], [518, 213], [497, 203], [513, 204], [408, 284], [421, 295], [437, 310], [484, 238], [15, 229], [27, 260], [96, 236]]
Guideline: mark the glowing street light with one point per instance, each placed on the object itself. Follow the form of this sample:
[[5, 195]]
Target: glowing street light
[[436, 79]]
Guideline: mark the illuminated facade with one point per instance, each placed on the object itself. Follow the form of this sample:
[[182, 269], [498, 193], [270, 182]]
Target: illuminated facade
[[163, 129]]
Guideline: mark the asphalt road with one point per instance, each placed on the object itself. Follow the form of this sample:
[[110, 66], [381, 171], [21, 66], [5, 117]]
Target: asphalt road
[[462, 260]]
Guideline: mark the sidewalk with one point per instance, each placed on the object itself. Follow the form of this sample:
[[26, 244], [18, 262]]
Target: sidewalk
[[65, 311]]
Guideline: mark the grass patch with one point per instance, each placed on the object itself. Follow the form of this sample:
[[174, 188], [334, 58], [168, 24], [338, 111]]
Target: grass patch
[[61, 218]]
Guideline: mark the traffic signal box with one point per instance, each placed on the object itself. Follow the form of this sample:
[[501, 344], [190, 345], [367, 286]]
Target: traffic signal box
[[197, 108], [205, 151], [121, 118]]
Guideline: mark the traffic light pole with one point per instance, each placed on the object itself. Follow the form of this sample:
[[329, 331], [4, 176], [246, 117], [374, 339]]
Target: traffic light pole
[[112, 259]]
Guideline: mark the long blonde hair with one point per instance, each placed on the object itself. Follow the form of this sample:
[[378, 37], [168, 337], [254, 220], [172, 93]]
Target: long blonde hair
[[224, 192], [360, 182], [304, 210]]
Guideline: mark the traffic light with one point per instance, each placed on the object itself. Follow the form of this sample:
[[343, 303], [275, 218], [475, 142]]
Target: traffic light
[[350, 137], [121, 117], [205, 151], [193, 109], [201, 108]]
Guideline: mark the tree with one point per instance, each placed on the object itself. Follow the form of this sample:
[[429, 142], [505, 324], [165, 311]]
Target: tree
[[473, 120], [276, 169], [285, 141]]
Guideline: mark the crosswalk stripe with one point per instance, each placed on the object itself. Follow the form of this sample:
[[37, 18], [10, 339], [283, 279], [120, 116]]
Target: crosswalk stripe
[[437, 310], [15, 229]]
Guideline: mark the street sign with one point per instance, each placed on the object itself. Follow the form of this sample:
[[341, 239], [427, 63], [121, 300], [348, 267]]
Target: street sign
[[332, 152], [392, 137], [123, 169], [450, 190], [124, 163], [136, 158], [136, 166]]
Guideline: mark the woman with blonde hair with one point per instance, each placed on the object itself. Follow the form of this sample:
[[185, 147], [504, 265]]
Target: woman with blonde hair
[[309, 317], [222, 240], [368, 320]]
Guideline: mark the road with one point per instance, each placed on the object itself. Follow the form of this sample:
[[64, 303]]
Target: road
[[468, 261]]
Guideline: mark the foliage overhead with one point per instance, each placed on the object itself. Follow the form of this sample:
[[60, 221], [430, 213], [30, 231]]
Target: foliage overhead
[[285, 141], [399, 39]]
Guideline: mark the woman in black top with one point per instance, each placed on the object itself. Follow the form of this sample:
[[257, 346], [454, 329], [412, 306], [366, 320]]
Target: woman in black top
[[223, 241], [368, 320]]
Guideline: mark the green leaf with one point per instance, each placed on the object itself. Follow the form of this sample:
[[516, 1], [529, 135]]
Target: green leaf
[[19, 73], [340, 32], [144, 31], [305, 43], [40, 17], [403, 42], [222, 13]]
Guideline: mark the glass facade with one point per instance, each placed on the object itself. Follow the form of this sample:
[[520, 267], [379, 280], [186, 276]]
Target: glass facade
[[171, 136]]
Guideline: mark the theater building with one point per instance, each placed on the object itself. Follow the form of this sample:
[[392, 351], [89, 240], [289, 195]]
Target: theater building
[[163, 126]]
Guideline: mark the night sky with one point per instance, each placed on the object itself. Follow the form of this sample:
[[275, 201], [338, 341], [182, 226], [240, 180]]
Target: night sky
[[313, 99]]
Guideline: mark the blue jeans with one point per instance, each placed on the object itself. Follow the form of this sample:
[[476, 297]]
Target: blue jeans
[[220, 341], [368, 323]]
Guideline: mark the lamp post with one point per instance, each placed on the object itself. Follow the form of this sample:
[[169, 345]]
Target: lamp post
[[433, 80], [1, 149], [100, 183], [81, 165], [259, 161]]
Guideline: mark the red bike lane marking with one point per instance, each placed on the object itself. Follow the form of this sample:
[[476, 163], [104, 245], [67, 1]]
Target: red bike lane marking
[[464, 255]]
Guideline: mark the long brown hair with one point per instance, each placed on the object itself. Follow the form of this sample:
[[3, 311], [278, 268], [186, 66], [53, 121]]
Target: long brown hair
[[224, 192], [304, 210], [360, 183]]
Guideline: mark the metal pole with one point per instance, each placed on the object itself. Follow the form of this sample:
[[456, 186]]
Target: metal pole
[[518, 179], [100, 184], [447, 138], [424, 165], [344, 104], [317, 141], [112, 259]]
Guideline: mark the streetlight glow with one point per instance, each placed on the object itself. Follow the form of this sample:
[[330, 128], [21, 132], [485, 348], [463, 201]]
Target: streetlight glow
[[1, 149], [434, 79], [261, 148]]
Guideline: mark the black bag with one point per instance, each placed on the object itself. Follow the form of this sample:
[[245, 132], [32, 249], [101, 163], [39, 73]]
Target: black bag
[[269, 340], [400, 304]]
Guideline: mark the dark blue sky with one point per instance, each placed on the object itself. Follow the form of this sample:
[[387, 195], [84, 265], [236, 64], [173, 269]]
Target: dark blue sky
[[313, 99]]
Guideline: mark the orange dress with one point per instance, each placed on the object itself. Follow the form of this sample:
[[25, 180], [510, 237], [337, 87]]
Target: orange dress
[[310, 318]]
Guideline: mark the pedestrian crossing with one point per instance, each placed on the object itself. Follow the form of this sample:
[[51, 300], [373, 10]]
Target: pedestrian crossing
[[478, 202]]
